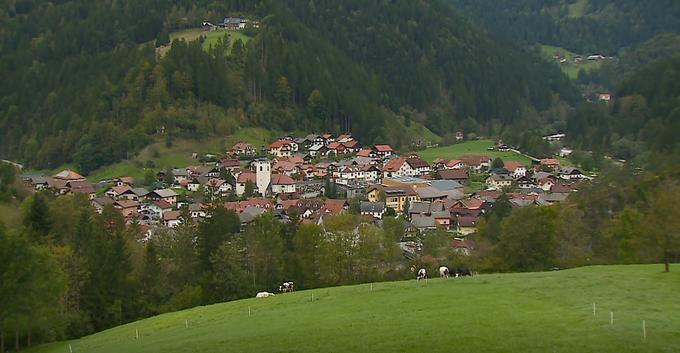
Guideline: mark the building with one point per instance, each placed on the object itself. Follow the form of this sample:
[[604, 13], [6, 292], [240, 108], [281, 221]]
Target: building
[[383, 150], [263, 175], [373, 209], [282, 184]]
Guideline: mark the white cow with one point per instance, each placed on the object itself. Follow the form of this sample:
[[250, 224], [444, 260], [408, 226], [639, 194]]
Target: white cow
[[422, 274], [444, 272], [264, 295]]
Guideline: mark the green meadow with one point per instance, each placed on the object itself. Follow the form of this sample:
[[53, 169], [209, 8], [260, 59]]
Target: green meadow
[[524, 312], [477, 147]]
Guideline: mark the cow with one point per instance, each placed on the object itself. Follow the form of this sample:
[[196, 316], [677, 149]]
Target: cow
[[264, 295], [422, 274], [444, 272], [287, 287], [462, 272]]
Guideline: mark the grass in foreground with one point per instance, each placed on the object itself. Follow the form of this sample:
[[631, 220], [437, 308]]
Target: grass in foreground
[[530, 312], [478, 147]]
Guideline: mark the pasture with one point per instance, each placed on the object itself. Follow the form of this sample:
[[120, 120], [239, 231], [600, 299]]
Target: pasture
[[570, 68], [527, 312], [180, 153], [211, 37], [477, 147]]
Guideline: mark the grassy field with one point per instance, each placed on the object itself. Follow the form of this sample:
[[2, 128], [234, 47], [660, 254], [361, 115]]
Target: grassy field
[[570, 68], [211, 37], [478, 147], [530, 312], [180, 153], [578, 8]]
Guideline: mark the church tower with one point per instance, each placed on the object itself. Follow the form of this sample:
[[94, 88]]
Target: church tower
[[264, 175]]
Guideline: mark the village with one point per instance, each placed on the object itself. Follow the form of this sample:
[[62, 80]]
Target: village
[[308, 178]]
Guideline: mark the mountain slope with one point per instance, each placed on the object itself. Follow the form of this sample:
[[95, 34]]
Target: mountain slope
[[82, 82], [531, 312], [582, 26]]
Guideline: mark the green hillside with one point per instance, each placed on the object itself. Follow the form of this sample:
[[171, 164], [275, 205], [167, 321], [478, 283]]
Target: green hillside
[[530, 312], [479, 147], [570, 68]]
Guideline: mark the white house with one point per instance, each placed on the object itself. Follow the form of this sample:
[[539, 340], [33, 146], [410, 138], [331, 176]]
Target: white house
[[282, 183]]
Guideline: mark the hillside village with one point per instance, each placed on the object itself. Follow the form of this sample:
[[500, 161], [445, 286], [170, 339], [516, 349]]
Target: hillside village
[[308, 178]]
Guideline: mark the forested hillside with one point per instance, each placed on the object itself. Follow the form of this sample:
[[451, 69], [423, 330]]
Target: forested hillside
[[642, 124], [601, 26], [83, 83]]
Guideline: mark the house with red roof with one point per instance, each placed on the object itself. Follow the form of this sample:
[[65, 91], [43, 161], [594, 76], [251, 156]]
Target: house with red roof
[[476, 162], [282, 183], [282, 148], [516, 169], [68, 175], [244, 178], [383, 150], [368, 153], [243, 149]]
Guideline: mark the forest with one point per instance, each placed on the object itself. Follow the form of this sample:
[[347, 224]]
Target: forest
[[308, 67], [581, 26]]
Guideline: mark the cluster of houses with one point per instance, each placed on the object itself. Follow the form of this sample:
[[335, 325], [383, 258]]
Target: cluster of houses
[[294, 178], [230, 23]]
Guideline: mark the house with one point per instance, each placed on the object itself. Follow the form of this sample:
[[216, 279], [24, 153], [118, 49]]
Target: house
[[604, 97], [122, 181], [431, 194], [126, 207], [282, 183], [82, 187], [333, 207], [337, 148], [68, 175], [476, 162], [243, 149], [232, 165], [136, 194], [396, 197], [571, 173], [367, 153], [466, 225], [373, 209], [180, 175], [525, 183], [100, 202], [219, 187], [554, 137], [459, 175], [234, 23], [172, 219], [159, 208], [166, 195], [196, 210], [116, 192], [282, 148], [499, 181], [418, 166], [396, 167], [551, 163], [462, 246], [383, 150], [243, 179], [352, 146], [318, 150], [454, 164], [516, 169]]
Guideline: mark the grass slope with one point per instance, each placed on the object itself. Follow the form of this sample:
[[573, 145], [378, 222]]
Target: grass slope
[[529, 312], [179, 154], [570, 68], [478, 147], [211, 37]]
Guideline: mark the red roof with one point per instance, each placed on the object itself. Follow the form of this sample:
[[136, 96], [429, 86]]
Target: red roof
[[550, 162], [364, 153], [511, 166], [162, 204], [242, 146], [383, 148], [245, 176], [120, 189], [68, 175], [454, 162], [351, 144], [230, 163], [393, 164], [453, 174], [171, 215], [286, 204], [282, 179], [279, 144], [474, 160], [336, 146], [333, 207]]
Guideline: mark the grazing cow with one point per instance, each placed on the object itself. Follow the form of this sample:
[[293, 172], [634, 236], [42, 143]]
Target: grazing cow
[[463, 271], [287, 287], [444, 272], [264, 295], [422, 274]]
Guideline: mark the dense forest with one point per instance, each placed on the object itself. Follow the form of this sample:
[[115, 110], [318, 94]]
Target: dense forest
[[582, 26], [642, 124], [83, 83]]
